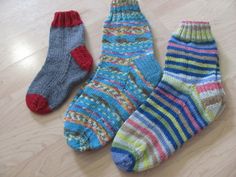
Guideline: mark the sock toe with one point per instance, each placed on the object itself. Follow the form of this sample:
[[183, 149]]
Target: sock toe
[[123, 159], [79, 137], [37, 103]]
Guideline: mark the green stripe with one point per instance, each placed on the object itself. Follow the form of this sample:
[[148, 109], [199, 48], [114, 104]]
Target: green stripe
[[172, 119], [191, 91], [163, 122], [182, 60], [196, 71]]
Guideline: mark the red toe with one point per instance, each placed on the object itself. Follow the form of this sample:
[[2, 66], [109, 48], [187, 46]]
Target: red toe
[[37, 103]]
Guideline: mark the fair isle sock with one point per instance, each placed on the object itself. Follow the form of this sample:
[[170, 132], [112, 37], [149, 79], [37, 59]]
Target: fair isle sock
[[67, 63], [187, 99], [126, 75]]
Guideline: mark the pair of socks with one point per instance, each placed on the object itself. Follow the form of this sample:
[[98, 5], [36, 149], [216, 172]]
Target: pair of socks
[[68, 62], [185, 101]]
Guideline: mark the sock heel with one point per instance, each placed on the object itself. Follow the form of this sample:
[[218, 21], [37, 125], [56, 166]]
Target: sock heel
[[150, 69], [82, 57], [212, 98]]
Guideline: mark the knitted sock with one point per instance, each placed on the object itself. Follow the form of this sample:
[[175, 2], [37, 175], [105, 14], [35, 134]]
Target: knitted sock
[[188, 98], [125, 77], [67, 62]]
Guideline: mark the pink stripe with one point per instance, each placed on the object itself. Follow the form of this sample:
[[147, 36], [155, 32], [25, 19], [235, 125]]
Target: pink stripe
[[195, 22], [210, 86], [192, 49], [151, 136], [184, 106]]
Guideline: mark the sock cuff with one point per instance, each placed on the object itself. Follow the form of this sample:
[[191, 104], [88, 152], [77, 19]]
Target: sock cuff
[[194, 31], [124, 5], [122, 10], [66, 19]]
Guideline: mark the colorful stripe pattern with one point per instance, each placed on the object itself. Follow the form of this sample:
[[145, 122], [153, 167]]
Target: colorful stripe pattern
[[188, 98], [125, 77]]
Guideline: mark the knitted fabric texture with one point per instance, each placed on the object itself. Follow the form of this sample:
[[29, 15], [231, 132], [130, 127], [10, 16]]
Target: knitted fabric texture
[[187, 99], [126, 75], [67, 63]]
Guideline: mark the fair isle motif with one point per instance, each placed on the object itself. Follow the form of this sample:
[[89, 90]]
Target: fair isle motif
[[125, 77], [187, 99], [114, 92], [126, 30], [89, 123]]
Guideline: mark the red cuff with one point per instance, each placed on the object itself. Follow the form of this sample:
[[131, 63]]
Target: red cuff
[[66, 19]]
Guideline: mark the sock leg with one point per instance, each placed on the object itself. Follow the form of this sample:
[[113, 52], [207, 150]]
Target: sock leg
[[188, 98]]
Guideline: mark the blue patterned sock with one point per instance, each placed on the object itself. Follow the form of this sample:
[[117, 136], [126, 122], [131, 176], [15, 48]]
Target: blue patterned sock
[[126, 74]]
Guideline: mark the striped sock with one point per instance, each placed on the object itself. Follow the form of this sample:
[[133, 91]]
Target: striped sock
[[188, 98], [125, 77]]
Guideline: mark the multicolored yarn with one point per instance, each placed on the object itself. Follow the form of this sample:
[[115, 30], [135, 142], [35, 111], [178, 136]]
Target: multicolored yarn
[[187, 99], [125, 77]]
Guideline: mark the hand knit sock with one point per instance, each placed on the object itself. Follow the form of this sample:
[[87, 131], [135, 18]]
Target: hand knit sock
[[68, 62], [126, 75], [186, 100]]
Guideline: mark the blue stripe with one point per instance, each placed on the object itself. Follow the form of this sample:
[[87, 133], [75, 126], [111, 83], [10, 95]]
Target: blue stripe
[[130, 38], [131, 18], [176, 117], [202, 45], [193, 52], [125, 55], [179, 71], [187, 65], [124, 8], [159, 124], [154, 129], [188, 100], [134, 47], [191, 58], [179, 107], [212, 77], [170, 123]]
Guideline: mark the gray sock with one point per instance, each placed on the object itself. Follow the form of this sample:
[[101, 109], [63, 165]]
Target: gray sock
[[68, 62]]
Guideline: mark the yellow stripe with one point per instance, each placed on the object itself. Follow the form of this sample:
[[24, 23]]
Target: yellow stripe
[[173, 120], [192, 70], [205, 65], [163, 121]]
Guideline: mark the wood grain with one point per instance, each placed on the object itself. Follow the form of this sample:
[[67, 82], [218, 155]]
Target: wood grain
[[33, 146]]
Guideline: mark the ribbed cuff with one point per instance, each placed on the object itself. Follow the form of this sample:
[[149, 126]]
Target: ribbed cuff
[[194, 31], [66, 19], [124, 6], [125, 10]]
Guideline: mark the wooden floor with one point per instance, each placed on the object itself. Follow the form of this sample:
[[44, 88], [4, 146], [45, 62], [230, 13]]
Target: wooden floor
[[34, 146]]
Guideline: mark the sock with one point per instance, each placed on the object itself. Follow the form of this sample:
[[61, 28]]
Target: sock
[[126, 75], [185, 101], [68, 62]]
